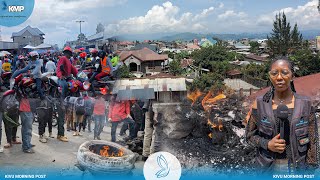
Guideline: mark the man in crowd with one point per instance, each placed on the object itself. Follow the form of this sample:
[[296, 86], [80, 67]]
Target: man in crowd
[[65, 69], [119, 111], [35, 64]]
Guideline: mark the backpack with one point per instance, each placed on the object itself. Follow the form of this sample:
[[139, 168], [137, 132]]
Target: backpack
[[89, 107], [79, 106], [10, 104]]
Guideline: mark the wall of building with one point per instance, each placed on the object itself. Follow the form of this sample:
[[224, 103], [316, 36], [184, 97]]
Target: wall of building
[[28, 39]]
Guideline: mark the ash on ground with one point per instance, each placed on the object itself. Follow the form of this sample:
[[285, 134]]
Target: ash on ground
[[198, 151]]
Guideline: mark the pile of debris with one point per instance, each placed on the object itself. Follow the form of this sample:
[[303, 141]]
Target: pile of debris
[[217, 139]]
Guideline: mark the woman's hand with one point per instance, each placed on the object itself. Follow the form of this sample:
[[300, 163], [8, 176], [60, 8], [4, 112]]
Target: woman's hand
[[277, 145]]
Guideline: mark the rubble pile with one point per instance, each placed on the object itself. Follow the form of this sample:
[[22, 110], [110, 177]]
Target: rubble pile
[[217, 140]]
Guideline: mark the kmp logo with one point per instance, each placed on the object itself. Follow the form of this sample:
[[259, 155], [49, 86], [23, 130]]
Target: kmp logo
[[15, 8]]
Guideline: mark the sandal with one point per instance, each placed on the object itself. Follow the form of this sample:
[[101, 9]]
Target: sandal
[[8, 145], [16, 142]]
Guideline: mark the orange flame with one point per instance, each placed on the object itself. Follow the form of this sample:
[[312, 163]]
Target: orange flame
[[105, 152], [193, 96], [207, 102], [218, 126]]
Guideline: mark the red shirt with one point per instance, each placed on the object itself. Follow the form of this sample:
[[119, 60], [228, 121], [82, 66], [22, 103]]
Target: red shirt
[[119, 110], [99, 107], [25, 105], [68, 68]]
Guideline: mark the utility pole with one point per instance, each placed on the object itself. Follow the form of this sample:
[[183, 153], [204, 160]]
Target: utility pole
[[319, 6], [80, 22]]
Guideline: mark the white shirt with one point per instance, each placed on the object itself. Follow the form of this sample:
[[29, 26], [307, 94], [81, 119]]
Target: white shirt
[[50, 66]]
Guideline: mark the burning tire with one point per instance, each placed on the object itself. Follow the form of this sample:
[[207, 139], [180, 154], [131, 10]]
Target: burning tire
[[92, 156]]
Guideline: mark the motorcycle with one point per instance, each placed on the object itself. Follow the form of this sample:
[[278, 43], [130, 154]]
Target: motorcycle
[[106, 83], [6, 79]]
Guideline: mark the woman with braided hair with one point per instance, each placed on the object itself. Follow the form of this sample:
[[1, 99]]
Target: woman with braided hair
[[297, 149]]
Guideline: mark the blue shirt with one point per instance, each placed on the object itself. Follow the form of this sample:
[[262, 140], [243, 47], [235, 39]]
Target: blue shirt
[[36, 72]]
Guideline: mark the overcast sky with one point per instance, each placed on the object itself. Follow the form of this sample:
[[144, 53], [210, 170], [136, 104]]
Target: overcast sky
[[57, 18]]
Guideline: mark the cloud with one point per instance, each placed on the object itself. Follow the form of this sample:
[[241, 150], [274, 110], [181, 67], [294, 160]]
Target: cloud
[[57, 18], [306, 16], [221, 5], [161, 18], [232, 14]]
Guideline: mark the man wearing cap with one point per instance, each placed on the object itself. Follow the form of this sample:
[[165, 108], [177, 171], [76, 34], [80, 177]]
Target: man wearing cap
[[34, 64], [65, 69]]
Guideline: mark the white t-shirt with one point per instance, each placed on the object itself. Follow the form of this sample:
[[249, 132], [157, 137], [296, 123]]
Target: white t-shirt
[[50, 66]]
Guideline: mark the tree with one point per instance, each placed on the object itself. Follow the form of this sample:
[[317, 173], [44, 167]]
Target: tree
[[283, 41], [207, 82], [123, 72], [213, 58], [175, 68], [82, 37], [306, 62], [254, 46], [100, 28]]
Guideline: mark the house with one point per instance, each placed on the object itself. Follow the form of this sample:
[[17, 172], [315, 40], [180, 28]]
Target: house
[[28, 36], [153, 47], [167, 88], [256, 59], [143, 61], [207, 42], [241, 47], [8, 45], [125, 45]]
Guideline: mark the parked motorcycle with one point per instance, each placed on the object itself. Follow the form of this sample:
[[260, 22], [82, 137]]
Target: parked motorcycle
[[6, 79]]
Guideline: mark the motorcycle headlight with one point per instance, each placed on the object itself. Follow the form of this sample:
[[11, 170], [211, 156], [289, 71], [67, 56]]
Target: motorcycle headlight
[[86, 86]]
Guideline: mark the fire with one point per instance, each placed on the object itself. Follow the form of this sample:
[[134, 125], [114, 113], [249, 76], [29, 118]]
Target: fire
[[218, 126], [207, 102], [193, 96], [105, 152]]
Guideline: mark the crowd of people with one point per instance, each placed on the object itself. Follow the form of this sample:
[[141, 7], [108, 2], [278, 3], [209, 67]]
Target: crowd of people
[[76, 113]]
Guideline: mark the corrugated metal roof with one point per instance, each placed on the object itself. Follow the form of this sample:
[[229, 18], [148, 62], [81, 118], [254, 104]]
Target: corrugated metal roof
[[33, 31], [136, 94], [306, 85], [158, 84]]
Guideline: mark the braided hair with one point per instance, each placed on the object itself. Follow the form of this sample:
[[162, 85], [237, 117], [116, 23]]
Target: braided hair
[[270, 93]]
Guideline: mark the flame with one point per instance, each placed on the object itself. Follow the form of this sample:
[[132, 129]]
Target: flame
[[193, 96], [218, 126], [207, 102], [105, 152]]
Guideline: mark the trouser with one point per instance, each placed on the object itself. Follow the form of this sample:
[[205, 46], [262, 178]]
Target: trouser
[[91, 82], [98, 124], [148, 132], [63, 84], [126, 126], [0, 127], [60, 120], [39, 88], [87, 122], [78, 122], [26, 129], [125, 121], [69, 119], [44, 119], [10, 130], [101, 75]]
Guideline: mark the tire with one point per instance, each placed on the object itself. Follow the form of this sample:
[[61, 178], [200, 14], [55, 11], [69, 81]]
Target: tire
[[105, 165]]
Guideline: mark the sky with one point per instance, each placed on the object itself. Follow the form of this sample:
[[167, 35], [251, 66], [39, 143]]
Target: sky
[[57, 18]]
